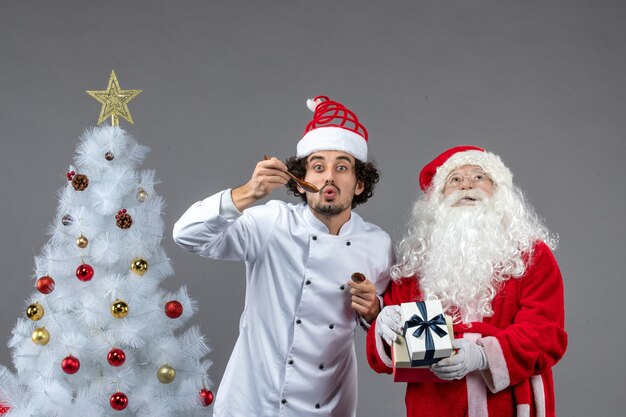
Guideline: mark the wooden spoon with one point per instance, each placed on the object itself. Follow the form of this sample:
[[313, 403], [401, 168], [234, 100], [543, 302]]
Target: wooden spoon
[[307, 186]]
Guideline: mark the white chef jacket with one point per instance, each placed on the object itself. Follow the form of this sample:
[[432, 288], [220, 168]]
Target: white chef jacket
[[295, 353]]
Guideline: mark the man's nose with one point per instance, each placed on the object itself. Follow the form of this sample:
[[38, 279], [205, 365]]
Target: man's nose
[[329, 178], [466, 184]]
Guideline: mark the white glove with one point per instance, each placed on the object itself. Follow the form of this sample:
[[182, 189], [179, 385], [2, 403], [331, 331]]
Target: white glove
[[469, 357], [389, 323]]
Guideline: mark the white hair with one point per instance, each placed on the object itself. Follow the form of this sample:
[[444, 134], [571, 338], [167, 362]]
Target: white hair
[[462, 254]]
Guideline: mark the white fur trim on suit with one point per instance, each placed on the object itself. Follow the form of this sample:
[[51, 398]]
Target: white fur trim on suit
[[539, 394], [476, 389], [332, 138], [489, 162], [497, 375], [522, 410]]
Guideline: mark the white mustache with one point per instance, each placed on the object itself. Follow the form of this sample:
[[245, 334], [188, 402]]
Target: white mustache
[[457, 196]]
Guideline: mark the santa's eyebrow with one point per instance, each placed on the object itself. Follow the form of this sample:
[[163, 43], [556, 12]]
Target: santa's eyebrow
[[473, 170]]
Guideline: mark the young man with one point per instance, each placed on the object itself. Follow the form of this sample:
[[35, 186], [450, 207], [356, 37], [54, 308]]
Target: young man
[[295, 351], [476, 245]]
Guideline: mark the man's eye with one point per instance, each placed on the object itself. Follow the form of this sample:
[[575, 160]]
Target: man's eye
[[318, 168], [455, 180], [478, 177], [342, 168]]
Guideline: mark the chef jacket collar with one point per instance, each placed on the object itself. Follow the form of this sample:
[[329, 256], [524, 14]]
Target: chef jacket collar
[[320, 227]]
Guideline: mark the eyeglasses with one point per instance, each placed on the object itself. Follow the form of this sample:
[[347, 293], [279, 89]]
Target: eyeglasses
[[474, 177]]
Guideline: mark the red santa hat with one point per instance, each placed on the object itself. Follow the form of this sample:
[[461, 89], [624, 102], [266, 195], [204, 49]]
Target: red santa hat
[[433, 176], [334, 128]]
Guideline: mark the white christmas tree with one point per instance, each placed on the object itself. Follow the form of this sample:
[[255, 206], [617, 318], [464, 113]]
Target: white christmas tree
[[100, 338]]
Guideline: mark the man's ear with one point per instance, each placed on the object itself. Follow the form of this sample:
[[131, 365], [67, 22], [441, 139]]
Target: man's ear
[[300, 189], [360, 187]]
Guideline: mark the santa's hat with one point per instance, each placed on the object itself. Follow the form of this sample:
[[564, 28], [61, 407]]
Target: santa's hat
[[433, 176], [333, 128]]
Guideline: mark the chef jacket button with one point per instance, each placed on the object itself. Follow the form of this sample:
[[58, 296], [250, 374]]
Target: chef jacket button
[[283, 401], [321, 366], [298, 321], [331, 326], [343, 287], [308, 282], [314, 237], [290, 362], [348, 243], [317, 405]]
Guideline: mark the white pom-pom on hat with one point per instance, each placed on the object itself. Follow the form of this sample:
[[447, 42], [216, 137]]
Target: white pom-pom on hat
[[312, 103]]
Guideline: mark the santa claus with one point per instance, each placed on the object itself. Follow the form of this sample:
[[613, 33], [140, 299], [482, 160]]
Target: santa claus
[[475, 244]]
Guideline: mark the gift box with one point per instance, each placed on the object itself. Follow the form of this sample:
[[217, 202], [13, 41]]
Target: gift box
[[407, 370], [428, 338], [402, 369]]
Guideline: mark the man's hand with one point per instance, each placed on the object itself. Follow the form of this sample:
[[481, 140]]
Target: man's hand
[[468, 358], [389, 323], [364, 299], [267, 176]]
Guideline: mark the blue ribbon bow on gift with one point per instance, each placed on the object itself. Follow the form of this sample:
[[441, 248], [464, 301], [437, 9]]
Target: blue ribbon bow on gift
[[426, 326]]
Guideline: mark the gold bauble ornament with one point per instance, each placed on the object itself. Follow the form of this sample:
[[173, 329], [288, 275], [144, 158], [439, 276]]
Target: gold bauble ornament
[[35, 311], [142, 195], [139, 266], [41, 336], [166, 374], [119, 309], [82, 242]]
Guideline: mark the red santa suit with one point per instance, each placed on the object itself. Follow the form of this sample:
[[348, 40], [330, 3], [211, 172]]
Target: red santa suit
[[523, 339]]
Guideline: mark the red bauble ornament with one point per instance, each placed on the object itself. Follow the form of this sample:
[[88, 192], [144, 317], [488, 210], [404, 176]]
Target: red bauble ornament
[[84, 272], [70, 365], [118, 401], [4, 408], [116, 357], [206, 397], [173, 309], [45, 285]]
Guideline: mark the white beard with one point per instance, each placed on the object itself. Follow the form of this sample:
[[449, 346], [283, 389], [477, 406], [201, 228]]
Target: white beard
[[462, 254]]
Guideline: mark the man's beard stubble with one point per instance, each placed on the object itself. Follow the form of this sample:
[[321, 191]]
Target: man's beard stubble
[[329, 210]]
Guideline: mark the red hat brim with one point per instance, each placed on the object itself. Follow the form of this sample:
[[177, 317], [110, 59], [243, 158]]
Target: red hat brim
[[428, 172]]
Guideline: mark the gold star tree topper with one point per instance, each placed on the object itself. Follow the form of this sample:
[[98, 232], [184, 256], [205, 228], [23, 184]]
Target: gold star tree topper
[[114, 101]]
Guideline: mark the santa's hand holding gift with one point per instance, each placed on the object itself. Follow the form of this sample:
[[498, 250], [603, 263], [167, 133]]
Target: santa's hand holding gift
[[476, 245]]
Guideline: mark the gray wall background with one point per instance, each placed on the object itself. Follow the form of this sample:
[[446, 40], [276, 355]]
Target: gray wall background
[[542, 83]]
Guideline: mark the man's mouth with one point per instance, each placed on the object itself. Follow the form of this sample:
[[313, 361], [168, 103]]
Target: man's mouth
[[467, 201], [329, 192]]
